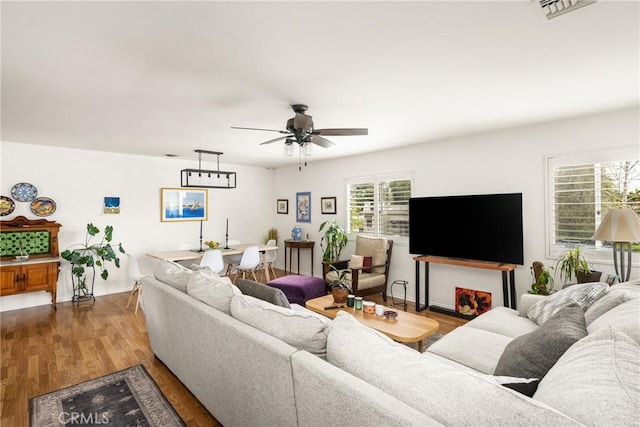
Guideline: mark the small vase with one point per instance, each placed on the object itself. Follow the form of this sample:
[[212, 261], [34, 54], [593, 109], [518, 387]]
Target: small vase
[[339, 294], [296, 232]]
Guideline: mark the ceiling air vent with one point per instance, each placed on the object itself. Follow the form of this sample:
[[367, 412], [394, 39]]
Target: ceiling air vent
[[553, 8]]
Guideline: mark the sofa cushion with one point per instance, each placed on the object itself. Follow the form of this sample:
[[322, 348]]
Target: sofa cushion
[[504, 321], [172, 274], [624, 317], [263, 292], [583, 295], [617, 295], [212, 290], [447, 394], [303, 330], [533, 354], [597, 381]]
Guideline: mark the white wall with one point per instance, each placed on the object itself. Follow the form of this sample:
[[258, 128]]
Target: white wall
[[498, 162], [78, 180]]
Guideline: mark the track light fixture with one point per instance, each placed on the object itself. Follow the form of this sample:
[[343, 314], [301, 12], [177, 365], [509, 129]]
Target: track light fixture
[[207, 178]]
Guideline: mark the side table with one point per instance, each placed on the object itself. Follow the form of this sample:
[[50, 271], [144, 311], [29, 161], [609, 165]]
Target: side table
[[291, 244]]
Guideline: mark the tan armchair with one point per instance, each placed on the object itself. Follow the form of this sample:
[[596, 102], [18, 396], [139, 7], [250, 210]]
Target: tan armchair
[[365, 280]]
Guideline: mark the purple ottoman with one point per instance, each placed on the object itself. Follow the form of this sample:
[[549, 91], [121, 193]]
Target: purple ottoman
[[299, 289]]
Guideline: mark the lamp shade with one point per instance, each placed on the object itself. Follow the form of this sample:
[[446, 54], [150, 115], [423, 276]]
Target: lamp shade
[[619, 225]]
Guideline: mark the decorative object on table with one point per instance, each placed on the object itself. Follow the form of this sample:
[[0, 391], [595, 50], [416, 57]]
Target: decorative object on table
[[621, 227], [212, 244], [7, 205], [333, 240], [300, 130], [111, 205], [610, 279], [351, 299], [574, 263], [303, 207], [339, 288], [542, 279], [24, 192], [181, 204], [201, 178], [404, 284], [369, 307], [379, 309], [43, 206], [357, 304], [328, 205], [471, 302], [390, 314], [296, 233], [127, 397], [84, 257], [272, 234], [282, 206]]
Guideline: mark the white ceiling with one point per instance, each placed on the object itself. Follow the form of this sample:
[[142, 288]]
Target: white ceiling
[[168, 77]]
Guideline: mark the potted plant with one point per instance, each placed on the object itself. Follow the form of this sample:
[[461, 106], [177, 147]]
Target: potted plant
[[333, 240], [339, 288], [84, 257], [574, 263], [542, 279]]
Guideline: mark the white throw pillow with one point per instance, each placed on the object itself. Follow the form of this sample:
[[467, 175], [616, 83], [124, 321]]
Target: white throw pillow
[[357, 261], [301, 329], [212, 290], [597, 381], [583, 294]]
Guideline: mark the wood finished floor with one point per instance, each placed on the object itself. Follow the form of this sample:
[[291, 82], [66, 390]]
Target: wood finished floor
[[43, 350]]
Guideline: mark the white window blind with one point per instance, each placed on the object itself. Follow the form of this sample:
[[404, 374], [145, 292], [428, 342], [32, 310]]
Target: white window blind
[[379, 205], [582, 188]]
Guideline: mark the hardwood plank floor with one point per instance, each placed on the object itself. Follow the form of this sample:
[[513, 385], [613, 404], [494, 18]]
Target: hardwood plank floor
[[43, 350]]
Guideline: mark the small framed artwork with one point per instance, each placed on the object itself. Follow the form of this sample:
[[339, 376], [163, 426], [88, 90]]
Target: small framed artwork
[[111, 205], [283, 206], [182, 204], [328, 205], [303, 207], [610, 279]]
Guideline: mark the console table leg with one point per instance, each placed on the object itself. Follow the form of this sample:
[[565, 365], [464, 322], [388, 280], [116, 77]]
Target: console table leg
[[505, 290], [426, 286], [512, 285]]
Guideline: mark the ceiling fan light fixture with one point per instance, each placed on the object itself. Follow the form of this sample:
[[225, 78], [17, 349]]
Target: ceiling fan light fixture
[[288, 147], [307, 149]]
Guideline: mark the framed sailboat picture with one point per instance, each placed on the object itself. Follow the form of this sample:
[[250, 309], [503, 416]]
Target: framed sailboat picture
[[182, 204]]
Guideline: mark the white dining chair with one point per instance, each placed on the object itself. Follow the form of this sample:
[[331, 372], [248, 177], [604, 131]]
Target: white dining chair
[[213, 259], [136, 276], [250, 260], [232, 260], [270, 256]]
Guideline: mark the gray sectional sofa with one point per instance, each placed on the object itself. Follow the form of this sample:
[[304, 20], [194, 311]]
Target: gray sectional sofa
[[255, 363]]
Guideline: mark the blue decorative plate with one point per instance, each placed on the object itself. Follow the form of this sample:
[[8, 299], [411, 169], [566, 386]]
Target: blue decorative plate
[[6, 205], [43, 206], [24, 192]]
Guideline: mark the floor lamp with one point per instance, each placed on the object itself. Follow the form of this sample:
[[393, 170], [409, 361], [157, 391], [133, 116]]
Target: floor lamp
[[620, 227]]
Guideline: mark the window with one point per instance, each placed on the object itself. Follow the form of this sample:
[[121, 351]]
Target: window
[[379, 205], [581, 189]]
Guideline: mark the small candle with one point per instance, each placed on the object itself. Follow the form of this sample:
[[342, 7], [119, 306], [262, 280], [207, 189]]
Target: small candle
[[227, 233]]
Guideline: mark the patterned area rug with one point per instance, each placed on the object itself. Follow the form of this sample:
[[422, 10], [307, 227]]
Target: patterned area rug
[[431, 339], [126, 398]]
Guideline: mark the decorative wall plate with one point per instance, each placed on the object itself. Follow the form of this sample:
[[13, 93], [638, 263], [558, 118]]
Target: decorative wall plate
[[7, 205], [43, 206], [24, 192]]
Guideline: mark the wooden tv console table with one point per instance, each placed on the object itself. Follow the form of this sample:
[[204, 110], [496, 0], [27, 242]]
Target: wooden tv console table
[[508, 282]]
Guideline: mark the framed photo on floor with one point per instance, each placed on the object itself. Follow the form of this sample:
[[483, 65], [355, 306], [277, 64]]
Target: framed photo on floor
[[303, 207], [328, 205], [283, 206], [182, 204]]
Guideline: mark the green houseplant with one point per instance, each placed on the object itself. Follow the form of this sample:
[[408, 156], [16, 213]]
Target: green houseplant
[[333, 240], [542, 279], [339, 288], [84, 257], [574, 263]]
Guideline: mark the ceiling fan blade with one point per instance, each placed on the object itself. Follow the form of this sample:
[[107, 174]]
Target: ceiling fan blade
[[342, 131], [323, 142], [276, 140], [303, 121], [268, 130]]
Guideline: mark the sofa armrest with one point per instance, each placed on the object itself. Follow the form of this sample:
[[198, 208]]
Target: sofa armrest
[[526, 301]]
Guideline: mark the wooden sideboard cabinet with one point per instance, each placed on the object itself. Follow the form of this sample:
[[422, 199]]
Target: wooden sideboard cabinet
[[39, 239]]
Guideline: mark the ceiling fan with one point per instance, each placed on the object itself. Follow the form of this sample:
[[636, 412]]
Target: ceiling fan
[[300, 130]]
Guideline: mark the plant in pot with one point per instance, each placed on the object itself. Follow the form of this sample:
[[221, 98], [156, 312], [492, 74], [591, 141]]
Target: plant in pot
[[339, 288], [84, 257], [332, 243], [542, 279], [574, 263]]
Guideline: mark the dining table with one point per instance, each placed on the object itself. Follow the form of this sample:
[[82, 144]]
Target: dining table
[[237, 249]]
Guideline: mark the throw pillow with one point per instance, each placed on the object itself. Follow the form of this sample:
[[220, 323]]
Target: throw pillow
[[597, 381], [263, 292], [212, 290], [367, 262], [302, 330], [584, 295], [526, 386], [532, 355], [173, 274], [356, 261]]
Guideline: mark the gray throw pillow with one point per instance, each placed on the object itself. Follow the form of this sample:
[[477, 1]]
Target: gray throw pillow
[[583, 294], [533, 354], [266, 293]]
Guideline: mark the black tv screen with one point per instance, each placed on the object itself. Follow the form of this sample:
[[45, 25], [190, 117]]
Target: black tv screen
[[483, 227]]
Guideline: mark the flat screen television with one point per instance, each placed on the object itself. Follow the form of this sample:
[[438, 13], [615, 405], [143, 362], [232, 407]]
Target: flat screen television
[[482, 227]]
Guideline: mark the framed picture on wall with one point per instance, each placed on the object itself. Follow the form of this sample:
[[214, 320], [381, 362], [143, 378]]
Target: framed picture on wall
[[182, 204], [283, 206], [303, 207], [328, 205]]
